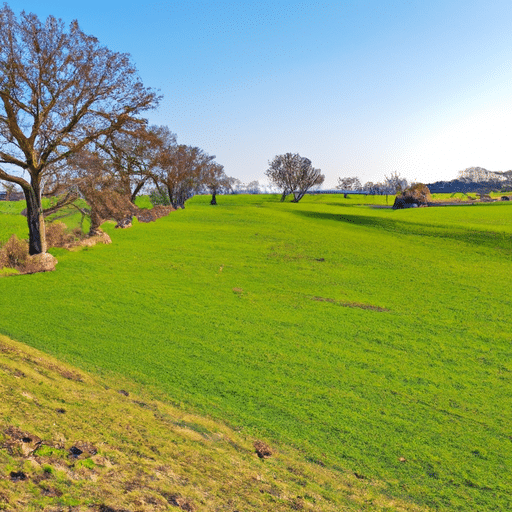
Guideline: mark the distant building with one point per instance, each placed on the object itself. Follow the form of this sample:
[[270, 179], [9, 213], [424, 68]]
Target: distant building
[[14, 196]]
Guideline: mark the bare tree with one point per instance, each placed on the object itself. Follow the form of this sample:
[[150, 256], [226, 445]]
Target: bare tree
[[59, 91], [180, 172], [281, 171], [10, 190], [134, 155], [119, 164], [349, 183], [94, 177], [215, 180], [293, 173], [370, 187], [395, 183], [253, 187]]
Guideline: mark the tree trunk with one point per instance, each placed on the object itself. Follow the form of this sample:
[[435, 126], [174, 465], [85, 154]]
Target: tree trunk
[[137, 190], [36, 230], [283, 196], [172, 197], [96, 221], [214, 199], [297, 197]]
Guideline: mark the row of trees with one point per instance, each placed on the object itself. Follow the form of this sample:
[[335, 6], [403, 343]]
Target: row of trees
[[392, 184], [71, 124], [110, 173], [476, 180]]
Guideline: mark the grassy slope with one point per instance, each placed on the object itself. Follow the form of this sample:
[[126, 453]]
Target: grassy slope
[[140, 454], [223, 309]]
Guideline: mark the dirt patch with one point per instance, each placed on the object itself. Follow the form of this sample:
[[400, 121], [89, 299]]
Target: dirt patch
[[298, 504], [262, 449], [359, 305], [7, 369], [82, 450], [67, 374], [362, 306], [178, 501], [20, 442], [325, 299], [6, 349], [99, 238], [105, 508], [18, 476], [51, 492]]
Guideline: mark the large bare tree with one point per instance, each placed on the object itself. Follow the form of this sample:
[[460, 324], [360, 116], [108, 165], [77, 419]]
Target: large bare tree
[[60, 90], [293, 174]]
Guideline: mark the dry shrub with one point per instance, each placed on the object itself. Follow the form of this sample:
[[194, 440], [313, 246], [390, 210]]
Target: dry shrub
[[78, 233], [418, 192], [14, 253], [262, 449], [57, 236]]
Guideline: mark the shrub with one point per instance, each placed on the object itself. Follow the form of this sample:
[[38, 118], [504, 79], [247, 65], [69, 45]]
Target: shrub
[[14, 253], [415, 195], [56, 235], [419, 192]]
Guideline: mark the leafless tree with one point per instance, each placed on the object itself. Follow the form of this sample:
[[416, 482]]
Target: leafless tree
[[370, 187], [180, 172], [349, 183], [293, 173], [60, 90], [134, 154], [10, 190], [96, 180], [235, 186], [119, 164], [395, 183], [253, 187], [214, 179]]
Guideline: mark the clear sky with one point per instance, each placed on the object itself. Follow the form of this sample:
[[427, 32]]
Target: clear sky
[[361, 88]]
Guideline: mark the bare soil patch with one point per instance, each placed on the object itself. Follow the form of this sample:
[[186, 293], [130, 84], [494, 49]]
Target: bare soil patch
[[351, 304]]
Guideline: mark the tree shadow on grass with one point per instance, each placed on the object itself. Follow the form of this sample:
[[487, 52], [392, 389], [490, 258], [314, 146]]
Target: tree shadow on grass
[[489, 239]]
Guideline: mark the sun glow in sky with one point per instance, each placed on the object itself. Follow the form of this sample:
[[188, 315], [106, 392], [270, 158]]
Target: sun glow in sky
[[361, 88]]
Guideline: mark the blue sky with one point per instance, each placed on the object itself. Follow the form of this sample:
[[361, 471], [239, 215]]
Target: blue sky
[[361, 88]]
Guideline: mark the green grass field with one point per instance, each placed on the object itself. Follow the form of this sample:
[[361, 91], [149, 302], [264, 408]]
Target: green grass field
[[360, 336]]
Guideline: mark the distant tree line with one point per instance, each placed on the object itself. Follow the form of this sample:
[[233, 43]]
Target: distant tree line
[[472, 179], [475, 180], [392, 184]]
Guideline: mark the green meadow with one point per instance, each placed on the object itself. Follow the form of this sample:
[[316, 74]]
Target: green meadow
[[376, 342]]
